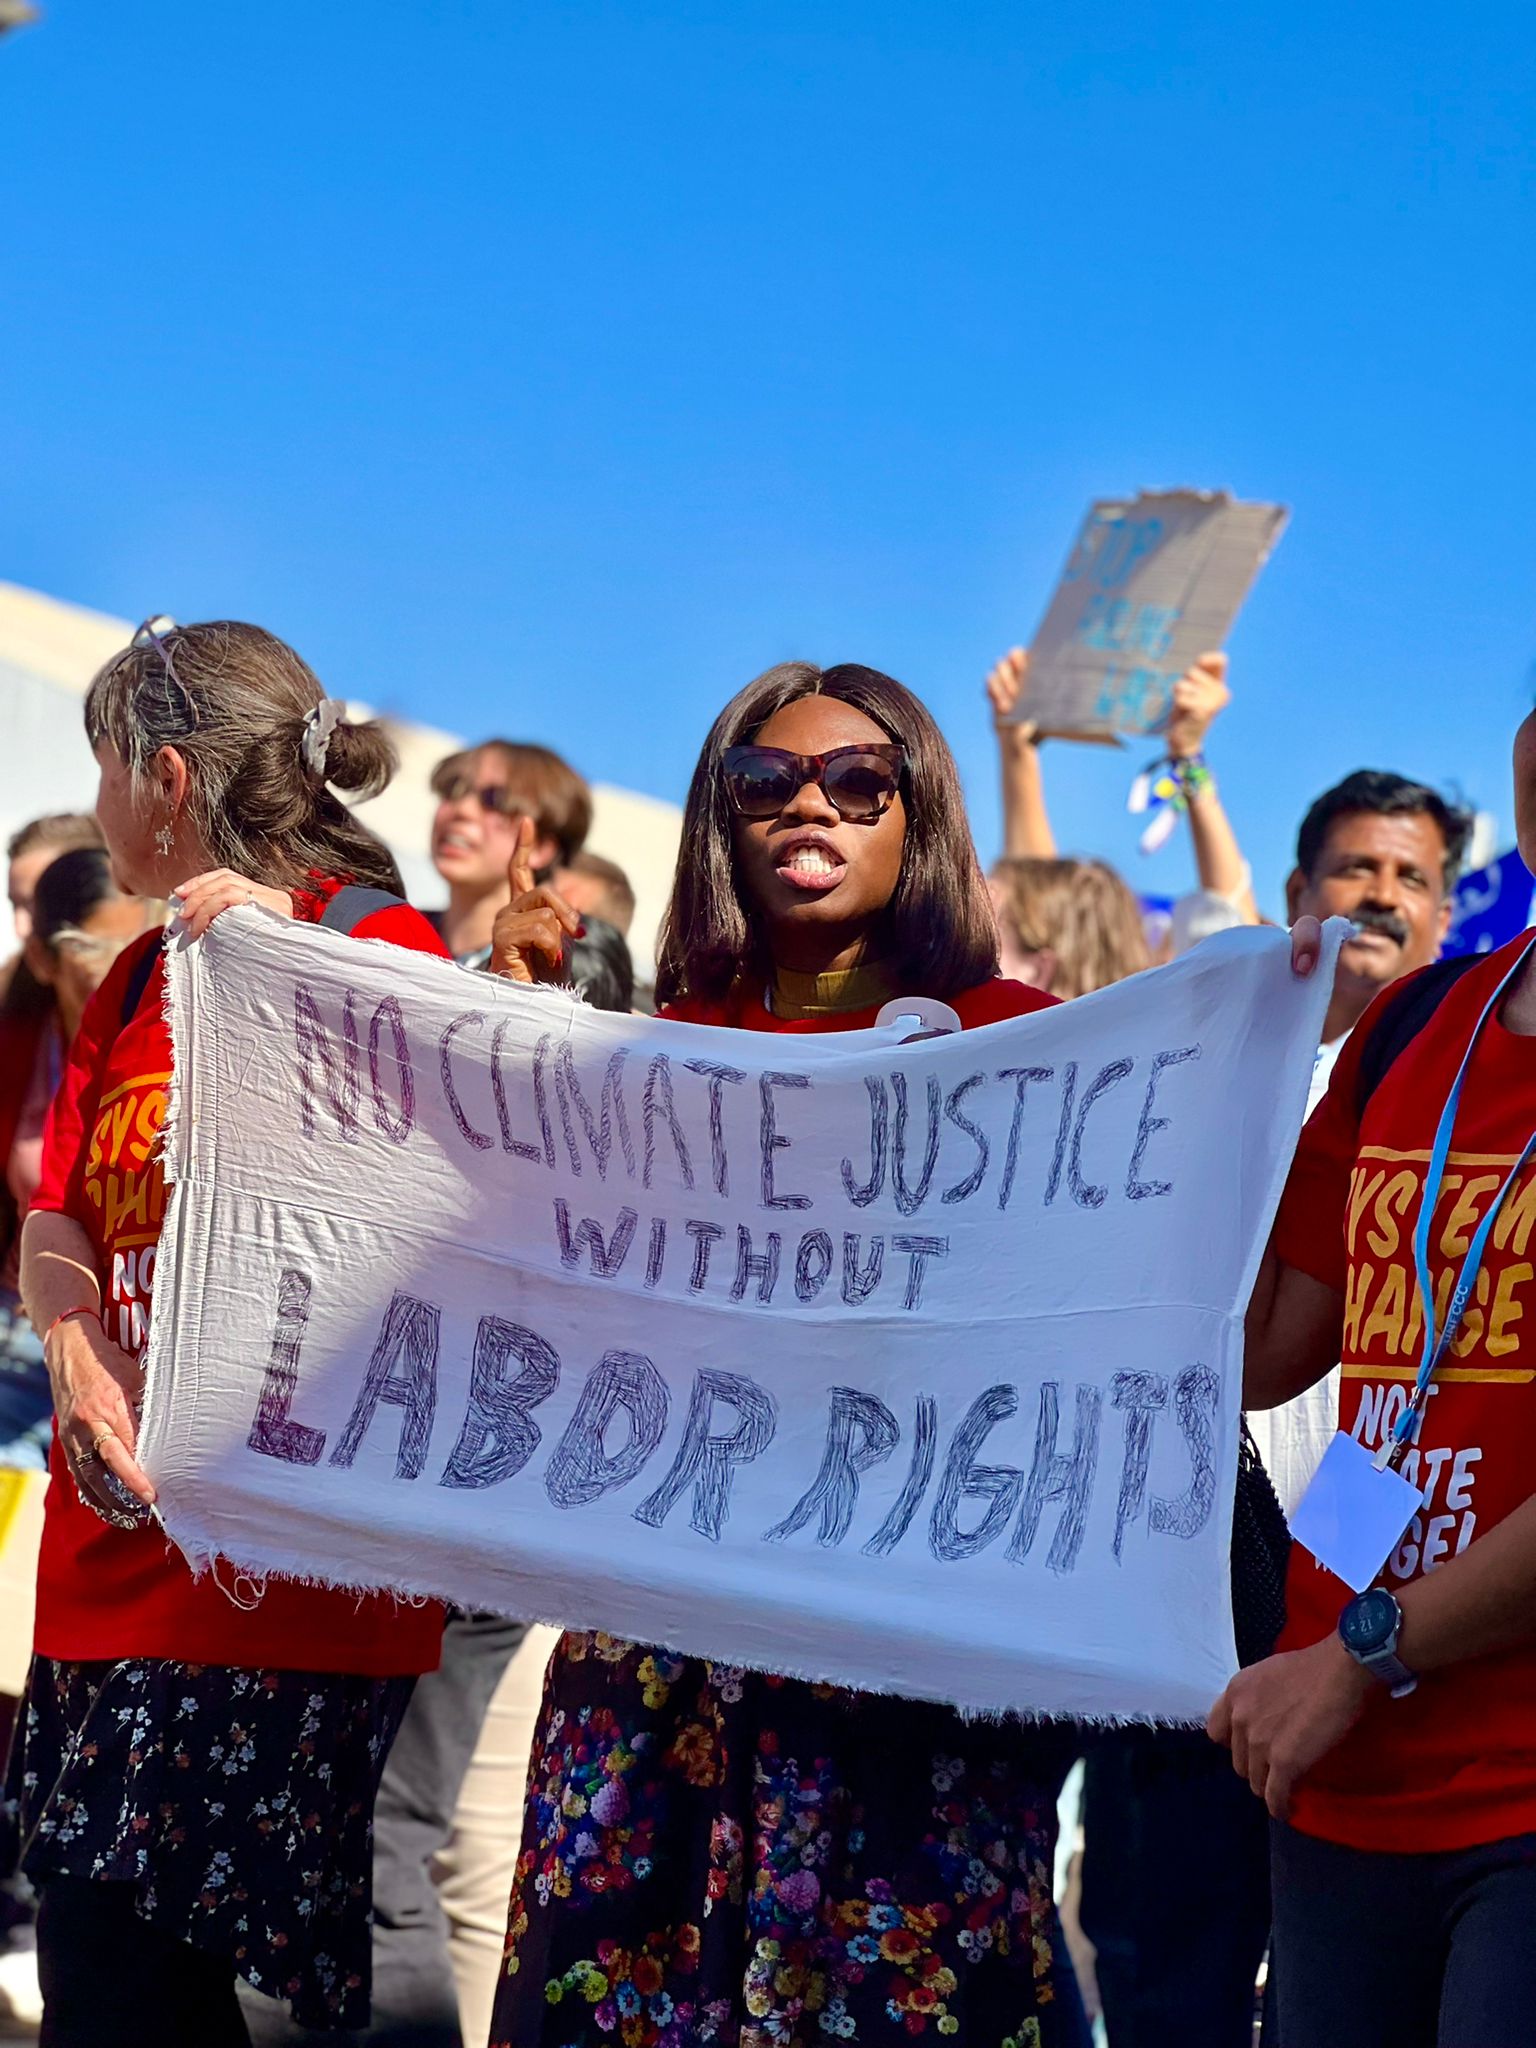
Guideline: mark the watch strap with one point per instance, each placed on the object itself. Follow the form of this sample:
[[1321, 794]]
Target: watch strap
[[1391, 1670]]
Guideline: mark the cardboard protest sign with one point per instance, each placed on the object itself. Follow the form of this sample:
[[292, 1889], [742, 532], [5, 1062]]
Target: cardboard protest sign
[[909, 1366], [1152, 583]]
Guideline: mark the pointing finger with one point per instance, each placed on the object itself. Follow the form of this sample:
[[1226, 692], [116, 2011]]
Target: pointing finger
[[520, 867]]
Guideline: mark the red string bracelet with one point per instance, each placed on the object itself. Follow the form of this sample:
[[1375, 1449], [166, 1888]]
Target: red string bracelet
[[94, 1314]]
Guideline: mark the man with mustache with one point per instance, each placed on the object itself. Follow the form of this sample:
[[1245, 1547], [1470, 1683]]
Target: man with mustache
[[1384, 852], [1174, 1842], [1390, 1735]]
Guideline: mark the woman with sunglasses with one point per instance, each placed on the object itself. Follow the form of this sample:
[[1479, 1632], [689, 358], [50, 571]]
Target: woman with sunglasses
[[195, 1768], [711, 1854], [483, 794]]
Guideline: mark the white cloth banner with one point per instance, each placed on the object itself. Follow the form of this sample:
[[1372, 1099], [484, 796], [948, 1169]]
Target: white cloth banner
[[915, 1367]]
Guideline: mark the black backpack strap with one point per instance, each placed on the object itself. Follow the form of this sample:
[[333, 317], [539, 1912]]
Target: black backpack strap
[[348, 907], [1403, 1018], [138, 981]]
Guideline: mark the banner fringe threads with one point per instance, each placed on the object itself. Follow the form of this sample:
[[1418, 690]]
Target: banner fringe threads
[[165, 1153], [165, 1147], [249, 1588], [256, 1579]]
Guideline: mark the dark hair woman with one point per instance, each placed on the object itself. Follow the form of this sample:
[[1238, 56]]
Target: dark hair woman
[[29, 851], [81, 922], [195, 1773], [920, 918], [78, 923], [711, 1854]]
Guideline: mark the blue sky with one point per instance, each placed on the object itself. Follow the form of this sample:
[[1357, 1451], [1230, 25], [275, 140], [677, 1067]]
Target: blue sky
[[552, 369]]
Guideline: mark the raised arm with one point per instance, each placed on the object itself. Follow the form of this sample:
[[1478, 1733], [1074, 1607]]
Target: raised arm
[[1027, 833], [1199, 697]]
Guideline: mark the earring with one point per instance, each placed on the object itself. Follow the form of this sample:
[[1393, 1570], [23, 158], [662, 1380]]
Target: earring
[[165, 840]]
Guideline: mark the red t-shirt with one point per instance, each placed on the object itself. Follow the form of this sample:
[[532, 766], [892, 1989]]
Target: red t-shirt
[[1454, 1763], [105, 1592]]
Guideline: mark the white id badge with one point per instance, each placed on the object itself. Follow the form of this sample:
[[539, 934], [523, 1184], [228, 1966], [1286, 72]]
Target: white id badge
[[1352, 1517]]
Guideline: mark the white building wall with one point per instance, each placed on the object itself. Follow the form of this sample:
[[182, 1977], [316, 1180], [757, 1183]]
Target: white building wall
[[49, 651]]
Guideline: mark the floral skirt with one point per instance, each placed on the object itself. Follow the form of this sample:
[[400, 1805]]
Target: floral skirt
[[713, 1855], [239, 1803]]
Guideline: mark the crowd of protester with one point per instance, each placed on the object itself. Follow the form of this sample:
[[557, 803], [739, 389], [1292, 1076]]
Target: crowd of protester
[[394, 1862]]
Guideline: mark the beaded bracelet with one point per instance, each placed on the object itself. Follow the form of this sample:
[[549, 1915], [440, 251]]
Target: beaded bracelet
[[1165, 787]]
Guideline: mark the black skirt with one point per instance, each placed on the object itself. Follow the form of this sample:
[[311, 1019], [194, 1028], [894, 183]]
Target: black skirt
[[239, 1804]]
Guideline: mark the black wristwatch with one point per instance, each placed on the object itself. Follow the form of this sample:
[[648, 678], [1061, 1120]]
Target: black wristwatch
[[1368, 1629]]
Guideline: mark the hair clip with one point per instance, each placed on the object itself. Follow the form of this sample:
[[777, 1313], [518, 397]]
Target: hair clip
[[319, 724]]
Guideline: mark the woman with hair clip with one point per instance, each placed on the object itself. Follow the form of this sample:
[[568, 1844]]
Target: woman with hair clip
[[711, 1854], [194, 1772]]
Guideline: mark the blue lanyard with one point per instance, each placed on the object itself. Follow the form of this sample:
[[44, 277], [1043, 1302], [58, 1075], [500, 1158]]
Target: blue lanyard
[[1437, 1344]]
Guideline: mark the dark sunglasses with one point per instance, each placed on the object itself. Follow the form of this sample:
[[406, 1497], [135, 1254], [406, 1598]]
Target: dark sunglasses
[[858, 782], [495, 797]]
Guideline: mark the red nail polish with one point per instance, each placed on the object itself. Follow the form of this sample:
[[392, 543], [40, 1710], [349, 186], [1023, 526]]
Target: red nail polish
[[581, 931]]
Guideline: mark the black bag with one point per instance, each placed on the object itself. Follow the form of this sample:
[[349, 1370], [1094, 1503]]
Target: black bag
[[1261, 1555], [344, 913], [1403, 1017]]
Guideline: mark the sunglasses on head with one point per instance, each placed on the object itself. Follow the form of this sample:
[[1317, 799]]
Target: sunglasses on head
[[153, 634], [495, 797], [858, 782]]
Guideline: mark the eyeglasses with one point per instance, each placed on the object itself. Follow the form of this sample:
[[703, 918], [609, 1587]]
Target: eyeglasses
[[82, 946], [95, 947], [495, 797], [858, 782]]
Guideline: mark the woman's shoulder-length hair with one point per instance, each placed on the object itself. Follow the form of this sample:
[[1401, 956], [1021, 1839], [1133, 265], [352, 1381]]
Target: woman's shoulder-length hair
[[941, 936]]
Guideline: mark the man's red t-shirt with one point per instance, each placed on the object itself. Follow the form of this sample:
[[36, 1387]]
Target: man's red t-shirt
[[1454, 1763], [105, 1592]]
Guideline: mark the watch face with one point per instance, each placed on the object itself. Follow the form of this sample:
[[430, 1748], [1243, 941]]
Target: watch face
[[1369, 1621]]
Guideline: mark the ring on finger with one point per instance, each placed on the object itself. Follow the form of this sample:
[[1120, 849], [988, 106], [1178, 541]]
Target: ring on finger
[[102, 1436]]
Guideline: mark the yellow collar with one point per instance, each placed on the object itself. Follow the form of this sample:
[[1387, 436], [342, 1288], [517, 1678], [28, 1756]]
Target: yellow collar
[[799, 997]]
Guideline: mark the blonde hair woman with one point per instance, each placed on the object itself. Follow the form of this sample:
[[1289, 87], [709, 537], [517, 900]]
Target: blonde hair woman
[[1067, 926]]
